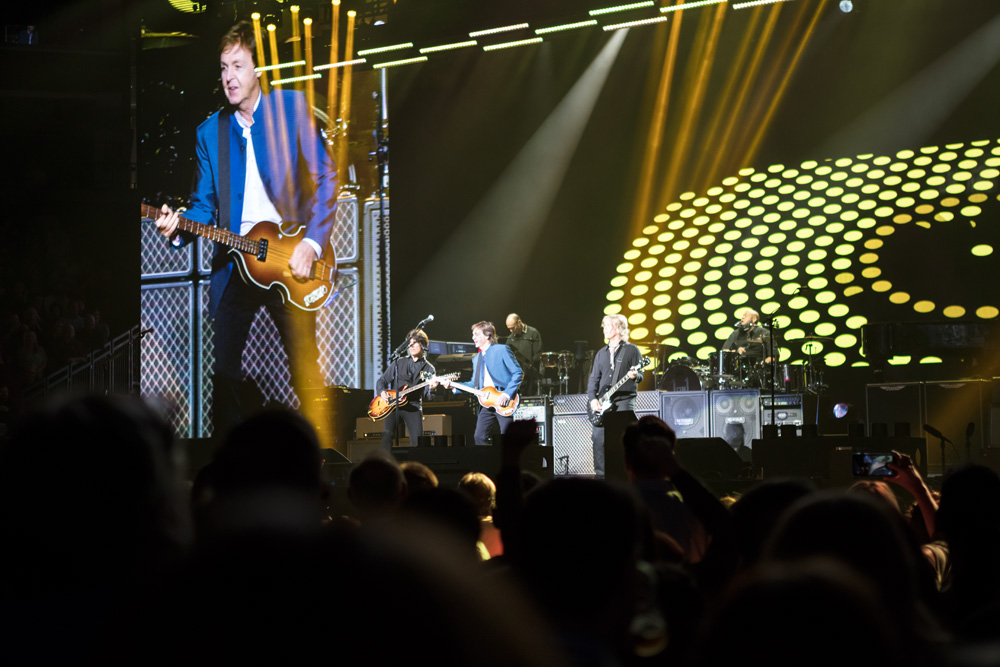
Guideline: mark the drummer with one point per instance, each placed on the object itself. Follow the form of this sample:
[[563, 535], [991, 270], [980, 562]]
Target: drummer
[[749, 339], [526, 343]]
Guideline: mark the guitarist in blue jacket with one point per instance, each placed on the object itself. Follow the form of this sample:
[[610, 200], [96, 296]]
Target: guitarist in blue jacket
[[279, 171], [494, 366], [611, 363]]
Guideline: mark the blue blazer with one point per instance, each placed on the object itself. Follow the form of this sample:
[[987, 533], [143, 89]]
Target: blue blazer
[[295, 167], [502, 367]]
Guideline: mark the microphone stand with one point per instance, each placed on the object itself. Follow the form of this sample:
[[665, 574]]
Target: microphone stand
[[397, 354], [769, 319]]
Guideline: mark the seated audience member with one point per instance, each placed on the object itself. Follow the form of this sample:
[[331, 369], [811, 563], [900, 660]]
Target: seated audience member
[[758, 511], [648, 445], [810, 612], [266, 475], [91, 507], [376, 487], [863, 534], [483, 493], [969, 520], [418, 476], [447, 512]]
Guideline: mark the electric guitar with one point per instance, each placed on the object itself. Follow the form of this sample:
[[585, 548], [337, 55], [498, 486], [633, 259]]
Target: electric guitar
[[262, 258], [380, 409], [597, 416], [489, 397]]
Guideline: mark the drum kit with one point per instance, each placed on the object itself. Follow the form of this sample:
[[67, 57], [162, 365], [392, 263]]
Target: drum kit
[[729, 370], [553, 372]]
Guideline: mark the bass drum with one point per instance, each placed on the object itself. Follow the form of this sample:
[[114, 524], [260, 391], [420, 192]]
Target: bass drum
[[680, 378]]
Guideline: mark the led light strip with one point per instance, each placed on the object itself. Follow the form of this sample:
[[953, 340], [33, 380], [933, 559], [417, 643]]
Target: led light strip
[[619, 26], [621, 8], [509, 45], [394, 63], [448, 47], [493, 31], [690, 5], [383, 49], [345, 63], [268, 68], [756, 2], [565, 26], [296, 78]]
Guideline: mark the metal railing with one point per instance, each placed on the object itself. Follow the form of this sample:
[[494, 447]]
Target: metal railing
[[112, 369]]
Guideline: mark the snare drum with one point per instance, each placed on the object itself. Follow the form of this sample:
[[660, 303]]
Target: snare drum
[[550, 359], [680, 378]]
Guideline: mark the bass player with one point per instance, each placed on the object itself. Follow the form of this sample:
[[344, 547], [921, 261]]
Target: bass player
[[494, 367], [611, 363], [258, 159]]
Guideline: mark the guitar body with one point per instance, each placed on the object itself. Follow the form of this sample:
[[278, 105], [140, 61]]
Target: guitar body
[[262, 257], [489, 397], [379, 409], [272, 271], [596, 417]]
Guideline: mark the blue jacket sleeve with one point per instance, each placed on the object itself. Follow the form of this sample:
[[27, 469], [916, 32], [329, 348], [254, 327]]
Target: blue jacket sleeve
[[511, 366]]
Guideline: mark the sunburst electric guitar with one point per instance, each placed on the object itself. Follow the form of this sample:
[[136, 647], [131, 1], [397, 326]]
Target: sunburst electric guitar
[[262, 258], [489, 397], [380, 409]]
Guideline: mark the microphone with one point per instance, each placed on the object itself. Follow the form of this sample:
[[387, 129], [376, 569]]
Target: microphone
[[936, 433], [429, 318]]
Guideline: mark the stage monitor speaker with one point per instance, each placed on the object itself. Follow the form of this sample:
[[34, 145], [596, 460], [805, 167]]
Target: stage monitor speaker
[[686, 412], [736, 417], [950, 407], [710, 459], [571, 440], [895, 403]]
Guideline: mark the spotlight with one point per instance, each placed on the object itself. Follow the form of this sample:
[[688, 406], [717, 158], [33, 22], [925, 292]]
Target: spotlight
[[841, 410], [846, 6]]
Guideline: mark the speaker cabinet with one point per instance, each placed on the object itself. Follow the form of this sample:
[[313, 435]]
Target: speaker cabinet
[[787, 409], [736, 416], [951, 407], [572, 445], [686, 412], [896, 403]]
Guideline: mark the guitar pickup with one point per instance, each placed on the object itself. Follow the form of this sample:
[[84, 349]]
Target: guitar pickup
[[262, 250]]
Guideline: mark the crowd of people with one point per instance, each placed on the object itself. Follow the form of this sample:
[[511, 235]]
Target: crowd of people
[[39, 333], [111, 556]]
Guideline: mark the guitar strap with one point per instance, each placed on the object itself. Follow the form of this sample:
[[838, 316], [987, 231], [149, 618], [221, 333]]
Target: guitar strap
[[479, 371], [222, 195]]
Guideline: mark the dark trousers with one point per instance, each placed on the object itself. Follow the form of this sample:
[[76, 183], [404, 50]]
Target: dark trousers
[[610, 435], [490, 426], [411, 416], [237, 309]]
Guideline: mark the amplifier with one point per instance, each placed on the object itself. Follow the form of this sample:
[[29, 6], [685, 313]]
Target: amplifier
[[433, 425], [539, 409], [787, 409], [569, 404]]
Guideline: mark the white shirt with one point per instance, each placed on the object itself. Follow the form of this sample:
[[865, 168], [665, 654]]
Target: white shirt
[[257, 206]]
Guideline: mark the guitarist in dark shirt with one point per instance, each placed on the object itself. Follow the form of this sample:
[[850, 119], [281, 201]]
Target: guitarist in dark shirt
[[407, 373], [611, 363]]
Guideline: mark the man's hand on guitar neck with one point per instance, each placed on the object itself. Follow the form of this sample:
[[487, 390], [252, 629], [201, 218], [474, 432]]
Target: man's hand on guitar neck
[[303, 258], [168, 221]]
